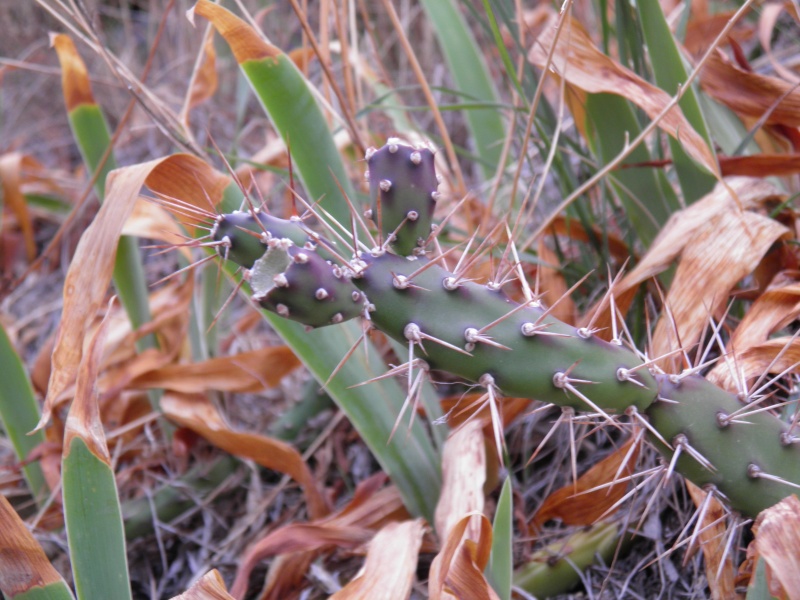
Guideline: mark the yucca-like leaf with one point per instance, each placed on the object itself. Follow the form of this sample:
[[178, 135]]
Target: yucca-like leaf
[[91, 503], [501, 560], [670, 74], [19, 413], [91, 134]]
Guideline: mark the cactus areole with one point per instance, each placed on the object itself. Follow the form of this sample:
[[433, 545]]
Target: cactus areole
[[478, 333]]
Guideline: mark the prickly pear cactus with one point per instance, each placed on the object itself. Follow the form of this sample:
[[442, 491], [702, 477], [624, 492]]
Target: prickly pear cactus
[[476, 332]]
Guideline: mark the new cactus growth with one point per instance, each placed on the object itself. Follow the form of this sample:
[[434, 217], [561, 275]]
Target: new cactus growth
[[403, 189], [477, 332], [298, 284]]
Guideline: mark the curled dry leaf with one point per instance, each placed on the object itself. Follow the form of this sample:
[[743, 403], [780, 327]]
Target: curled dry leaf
[[773, 356], [594, 494], [702, 29], [198, 414], [713, 536], [760, 165], [699, 227], [74, 76], [752, 352], [251, 371], [23, 564], [83, 420], [728, 247], [778, 543], [370, 509], [751, 94], [150, 221], [457, 571], [11, 167], [243, 39], [391, 564], [90, 271], [584, 66], [463, 476], [209, 587]]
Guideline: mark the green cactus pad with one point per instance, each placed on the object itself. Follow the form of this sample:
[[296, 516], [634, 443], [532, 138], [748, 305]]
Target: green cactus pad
[[248, 232], [402, 185], [520, 364], [300, 285], [738, 450]]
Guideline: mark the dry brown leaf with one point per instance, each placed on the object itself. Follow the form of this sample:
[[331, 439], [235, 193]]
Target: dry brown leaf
[[683, 228], [713, 536], [198, 414], [773, 356], [243, 39], [209, 587], [728, 247], [370, 509], [90, 271], [457, 571], [252, 371], [767, 20], [778, 542], [584, 66], [581, 503], [778, 306], [148, 220], [11, 167], [391, 564], [23, 563], [751, 94], [702, 30], [203, 84], [760, 165], [461, 408], [463, 476], [83, 419], [302, 57], [74, 76]]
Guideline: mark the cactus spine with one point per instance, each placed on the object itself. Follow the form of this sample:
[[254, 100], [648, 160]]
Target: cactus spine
[[476, 332]]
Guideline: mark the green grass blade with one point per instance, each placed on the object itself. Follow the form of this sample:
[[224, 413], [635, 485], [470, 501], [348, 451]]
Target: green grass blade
[[94, 525], [501, 560], [91, 133], [670, 73], [471, 76], [19, 413], [90, 130], [646, 195], [759, 586], [53, 591], [92, 512]]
